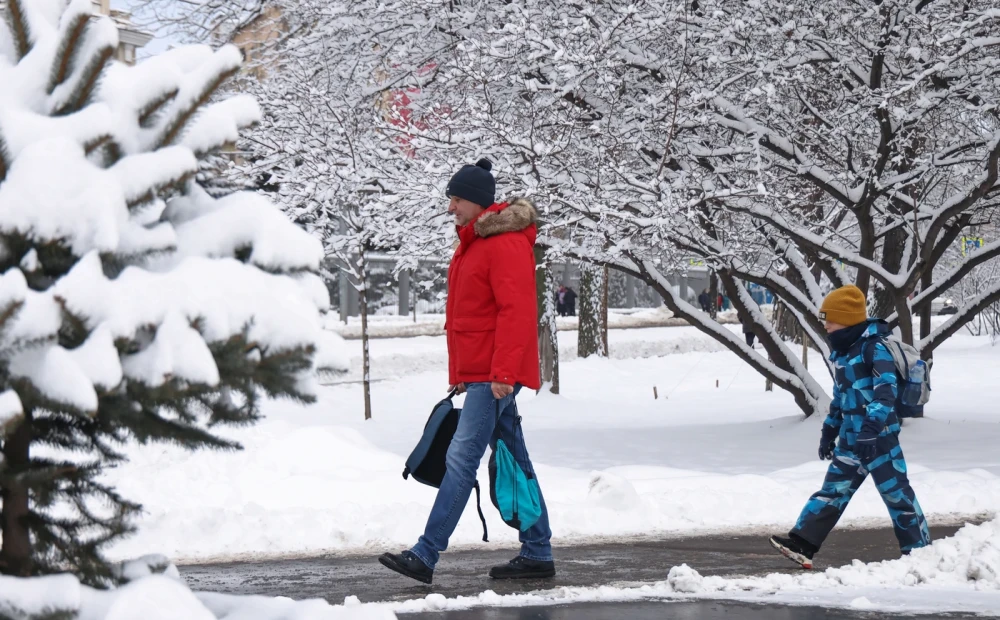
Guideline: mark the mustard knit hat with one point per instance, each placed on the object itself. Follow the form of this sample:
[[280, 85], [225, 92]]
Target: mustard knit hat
[[845, 306]]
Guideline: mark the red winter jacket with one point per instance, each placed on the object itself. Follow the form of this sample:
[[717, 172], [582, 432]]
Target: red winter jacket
[[492, 315]]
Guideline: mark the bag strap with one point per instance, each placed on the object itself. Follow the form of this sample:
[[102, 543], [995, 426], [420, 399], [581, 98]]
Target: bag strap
[[479, 509], [514, 470]]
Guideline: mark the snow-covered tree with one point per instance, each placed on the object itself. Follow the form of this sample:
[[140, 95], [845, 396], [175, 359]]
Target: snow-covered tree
[[331, 148], [133, 305], [789, 145]]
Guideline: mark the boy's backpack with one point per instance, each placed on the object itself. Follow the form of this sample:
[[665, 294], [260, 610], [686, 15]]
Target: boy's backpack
[[913, 385], [513, 491], [427, 461]]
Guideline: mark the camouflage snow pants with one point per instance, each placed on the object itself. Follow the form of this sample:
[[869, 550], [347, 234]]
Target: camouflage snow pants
[[844, 478]]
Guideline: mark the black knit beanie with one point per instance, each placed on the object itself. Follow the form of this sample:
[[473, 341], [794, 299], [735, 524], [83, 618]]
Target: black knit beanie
[[474, 183]]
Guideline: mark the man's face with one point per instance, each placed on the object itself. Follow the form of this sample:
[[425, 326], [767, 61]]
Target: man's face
[[832, 327], [463, 210]]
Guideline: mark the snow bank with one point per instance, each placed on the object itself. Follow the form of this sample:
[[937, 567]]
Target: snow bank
[[229, 607], [159, 597], [961, 573], [263, 501]]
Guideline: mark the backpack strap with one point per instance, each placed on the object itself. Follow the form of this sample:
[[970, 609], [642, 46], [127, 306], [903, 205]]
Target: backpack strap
[[479, 509], [902, 373], [868, 353]]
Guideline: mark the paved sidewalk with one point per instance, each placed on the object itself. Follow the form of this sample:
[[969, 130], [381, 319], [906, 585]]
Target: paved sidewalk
[[464, 572]]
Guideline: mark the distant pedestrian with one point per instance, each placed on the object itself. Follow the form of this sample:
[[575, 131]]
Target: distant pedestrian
[[704, 300], [863, 416], [561, 301], [747, 322], [570, 302]]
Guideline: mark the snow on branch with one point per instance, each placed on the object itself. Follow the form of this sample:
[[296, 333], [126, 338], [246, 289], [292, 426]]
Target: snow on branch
[[198, 88], [20, 28], [74, 22], [219, 124], [822, 245], [100, 40], [733, 117], [969, 309], [806, 390], [942, 283], [146, 175], [969, 195]]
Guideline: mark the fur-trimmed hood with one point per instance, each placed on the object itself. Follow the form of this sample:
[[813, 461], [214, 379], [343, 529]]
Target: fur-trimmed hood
[[519, 214]]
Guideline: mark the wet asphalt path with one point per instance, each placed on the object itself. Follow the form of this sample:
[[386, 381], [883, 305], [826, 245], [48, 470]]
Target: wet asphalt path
[[662, 610], [464, 573]]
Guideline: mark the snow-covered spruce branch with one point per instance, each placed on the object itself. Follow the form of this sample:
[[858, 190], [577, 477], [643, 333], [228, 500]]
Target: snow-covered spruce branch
[[191, 98]]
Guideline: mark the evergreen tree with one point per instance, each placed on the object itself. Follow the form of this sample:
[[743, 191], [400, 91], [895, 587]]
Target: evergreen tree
[[134, 305]]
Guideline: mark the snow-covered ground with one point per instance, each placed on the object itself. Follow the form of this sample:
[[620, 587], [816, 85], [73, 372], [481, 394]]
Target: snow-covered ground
[[611, 460], [714, 452], [160, 597], [391, 325]]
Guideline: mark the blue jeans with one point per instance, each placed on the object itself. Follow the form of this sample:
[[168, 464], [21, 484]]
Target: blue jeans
[[475, 432]]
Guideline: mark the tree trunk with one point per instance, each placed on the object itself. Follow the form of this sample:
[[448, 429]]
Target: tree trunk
[[604, 310], [590, 339], [784, 319], [903, 316], [403, 298], [363, 306], [548, 342], [925, 313], [15, 554]]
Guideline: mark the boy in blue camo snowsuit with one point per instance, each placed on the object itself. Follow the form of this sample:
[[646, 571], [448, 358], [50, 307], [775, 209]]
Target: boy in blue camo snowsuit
[[863, 416]]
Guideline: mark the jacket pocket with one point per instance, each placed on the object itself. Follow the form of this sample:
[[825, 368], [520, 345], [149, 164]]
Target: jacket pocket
[[473, 339], [473, 323]]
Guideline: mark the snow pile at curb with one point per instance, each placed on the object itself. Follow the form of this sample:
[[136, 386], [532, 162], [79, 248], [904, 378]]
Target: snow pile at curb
[[968, 560], [961, 573], [157, 592]]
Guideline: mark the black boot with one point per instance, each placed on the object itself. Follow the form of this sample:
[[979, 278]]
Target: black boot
[[407, 564], [523, 568], [795, 549]]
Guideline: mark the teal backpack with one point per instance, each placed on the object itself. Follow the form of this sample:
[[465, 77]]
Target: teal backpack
[[513, 491]]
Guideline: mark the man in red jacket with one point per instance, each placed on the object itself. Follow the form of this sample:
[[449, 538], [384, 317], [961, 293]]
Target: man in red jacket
[[492, 330]]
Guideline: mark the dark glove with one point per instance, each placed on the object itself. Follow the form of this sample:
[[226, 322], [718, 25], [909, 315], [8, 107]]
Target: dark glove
[[827, 443], [865, 445]]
